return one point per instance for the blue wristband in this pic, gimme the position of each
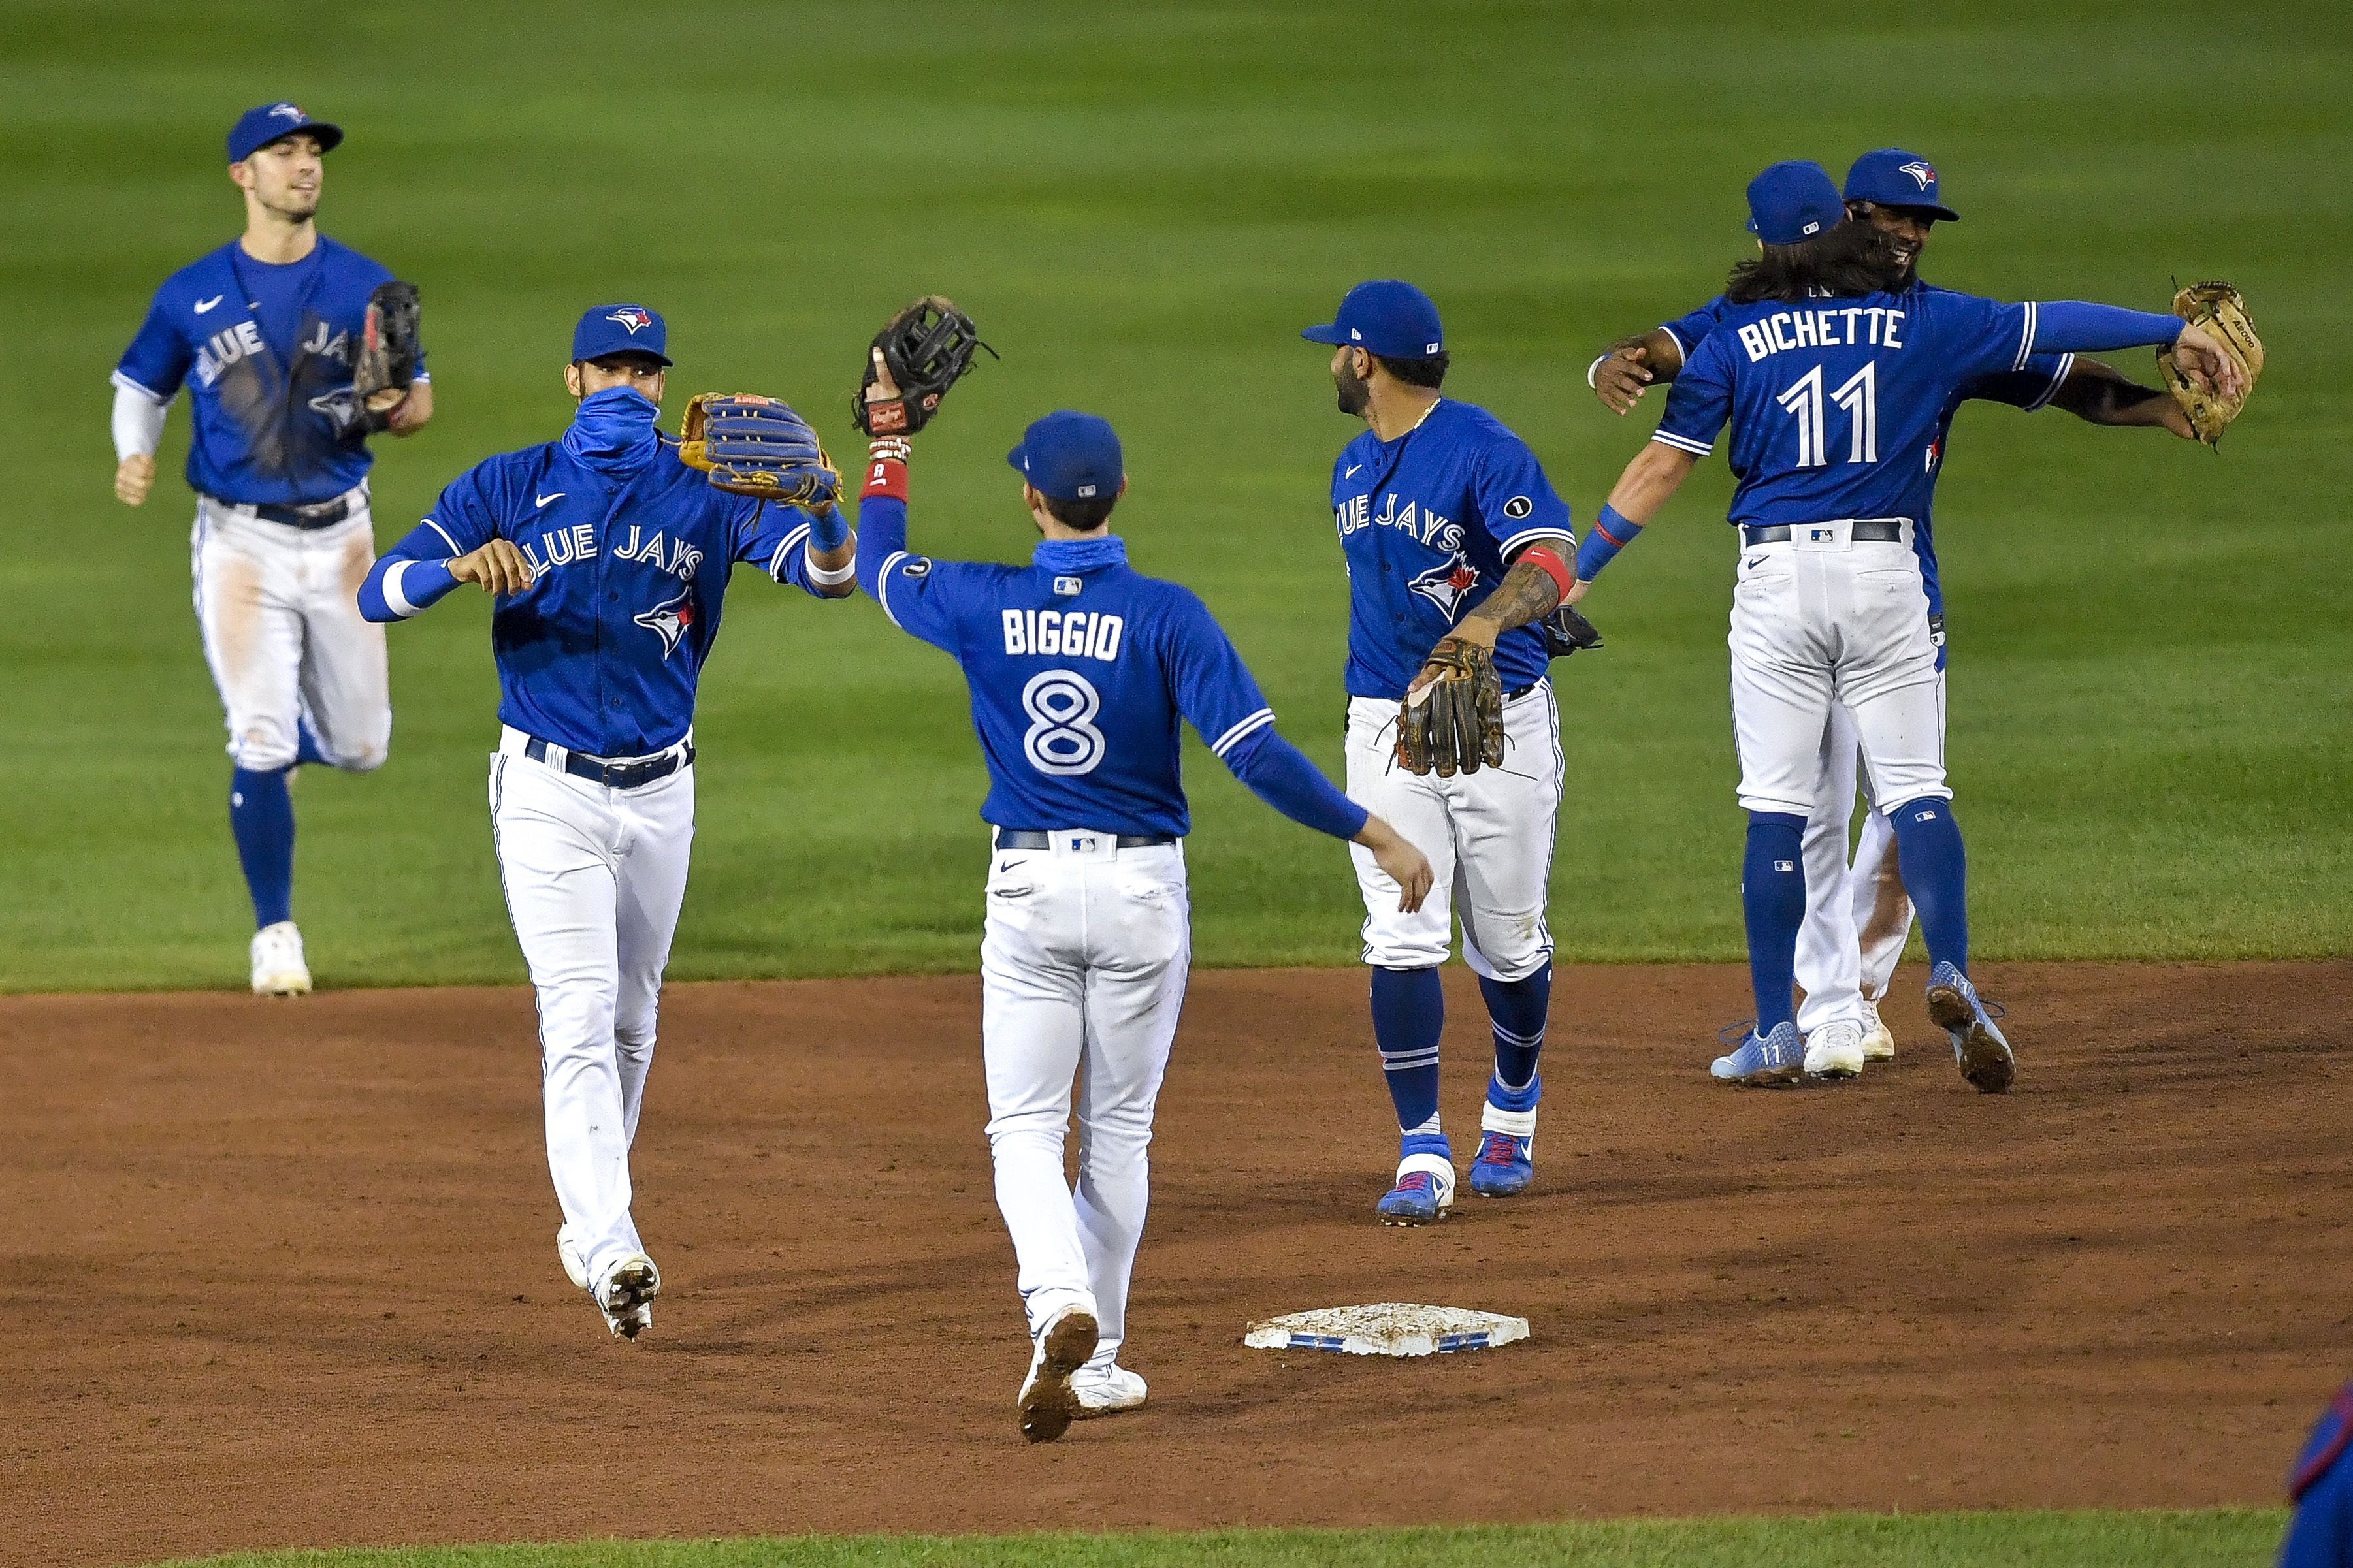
(1611, 532)
(829, 530)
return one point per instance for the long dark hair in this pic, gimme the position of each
(1852, 258)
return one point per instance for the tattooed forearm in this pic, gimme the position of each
(1527, 594)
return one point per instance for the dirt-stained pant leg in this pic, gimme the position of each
(346, 678)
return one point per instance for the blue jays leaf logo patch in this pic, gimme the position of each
(1445, 583)
(669, 619)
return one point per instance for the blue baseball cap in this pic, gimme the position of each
(1070, 457)
(258, 128)
(1894, 178)
(1385, 317)
(620, 330)
(1792, 201)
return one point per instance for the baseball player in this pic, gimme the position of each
(263, 333)
(2320, 1533)
(1079, 669)
(1836, 377)
(609, 557)
(1452, 536)
(1858, 917)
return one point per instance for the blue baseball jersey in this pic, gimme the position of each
(1081, 668)
(2029, 389)
(1428, 523)
(2321, 1535)
(1837, 405)
(265, 352)
(601, 654)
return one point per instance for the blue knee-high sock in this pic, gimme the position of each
(1937, 874)
(261, 815)
(1409, 1015)
(1517, 1009)
(1773, 898)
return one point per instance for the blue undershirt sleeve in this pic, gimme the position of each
(1279, 774)
(409, 578)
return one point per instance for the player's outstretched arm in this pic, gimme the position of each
(418, 573)
(1529, 592)
(2102, 394)
(1628, 367)
(1657, 472)
(1279, 774)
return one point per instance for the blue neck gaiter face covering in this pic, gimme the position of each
(614, 431)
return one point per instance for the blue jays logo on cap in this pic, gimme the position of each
(620, 330)
(1924, 173)
(292, 112)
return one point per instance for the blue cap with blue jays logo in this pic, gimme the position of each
(1793, 201)
(258, 128)
(620, 330)
(1891, 177)
(1385, 317)
(1070, 457)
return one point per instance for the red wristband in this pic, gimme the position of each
(1551, 565)
(886, 471)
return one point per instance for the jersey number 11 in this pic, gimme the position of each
(1859, 396)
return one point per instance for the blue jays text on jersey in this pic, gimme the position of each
(265, 350)
(602, 653)
(2027, 388)
(1428, 522)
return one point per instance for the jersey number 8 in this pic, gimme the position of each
(1859, 396)
(1063, 740)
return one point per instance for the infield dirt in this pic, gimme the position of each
(282, 1274)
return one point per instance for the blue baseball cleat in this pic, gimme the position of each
(1505, 1165)
(1761, 1061)
(1423, 1194)
(1978, 1046)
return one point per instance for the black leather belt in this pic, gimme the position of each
(1519, 691)
(1881, 530)
(616, 776)
(1028, 838)
(319, 515)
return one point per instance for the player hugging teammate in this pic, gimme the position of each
(293, 350)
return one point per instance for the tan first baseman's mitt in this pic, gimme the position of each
(1454, 724)
(2220, 311)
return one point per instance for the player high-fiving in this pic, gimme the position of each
(1081, 668)
(266, 335)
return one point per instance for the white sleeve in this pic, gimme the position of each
(138, 422)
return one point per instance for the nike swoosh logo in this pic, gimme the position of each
(552, 495)
(1004, 865)
(203, 305)
(1351, 472)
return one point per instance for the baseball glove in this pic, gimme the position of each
(2221, 311)
(927, 347)
(1455, 723)
(755, 446)
(390, 353)
(1565, 632)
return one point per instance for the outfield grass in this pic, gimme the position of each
(2217, 1538)
(1143, 204)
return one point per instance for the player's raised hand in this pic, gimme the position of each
(1621, 378)
(1399, 861)
(132, 477)
(882, 389)
(498, 567)
(2206, 363)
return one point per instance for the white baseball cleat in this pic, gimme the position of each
(627, 1296)
(1049, 1404)
(1106, 1390)
(1834, 1050)
(278, 966)
(568, 1253)
(1878, 1040)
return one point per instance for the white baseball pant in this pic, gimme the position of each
(278, 607)
(594, 878)
(1821, 619)
(1489, 836)
(1082, 966)
(1858, 916)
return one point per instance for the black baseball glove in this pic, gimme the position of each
(391, 353)
(1567, 632)
(927, 347)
